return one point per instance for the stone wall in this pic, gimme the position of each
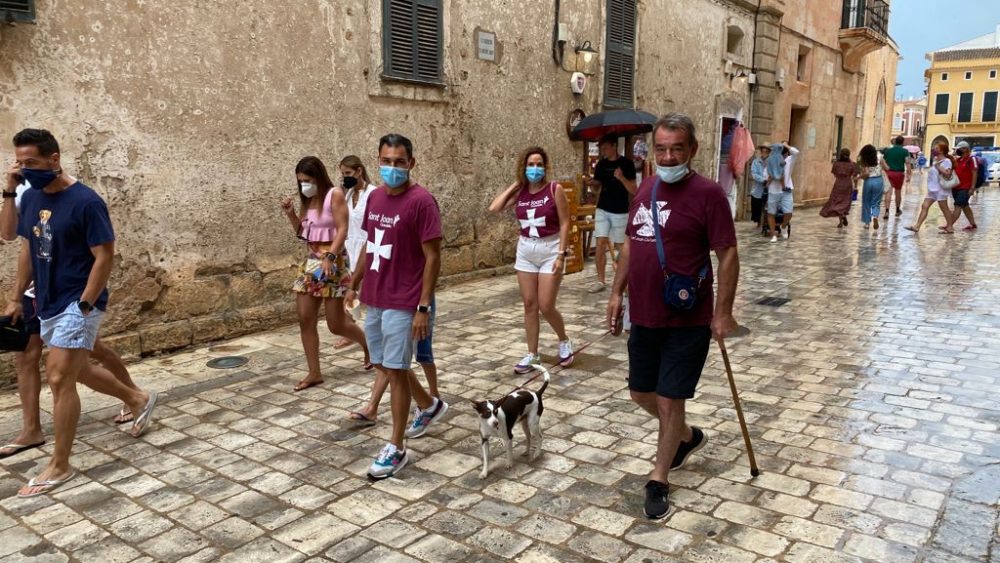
(188, 118)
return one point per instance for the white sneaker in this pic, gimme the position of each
(528, 363)
(565, 353)
(784, 233)
(774, 238)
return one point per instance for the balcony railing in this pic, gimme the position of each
(869, 14)
(974, 118)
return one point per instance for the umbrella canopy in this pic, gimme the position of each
(912, 148)
(618, 122)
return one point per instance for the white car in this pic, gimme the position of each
(994, 173)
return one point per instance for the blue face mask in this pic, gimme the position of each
(39, 178)
(534, 173)
(672, 174)
(394, 177)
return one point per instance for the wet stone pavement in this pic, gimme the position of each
(871, 397)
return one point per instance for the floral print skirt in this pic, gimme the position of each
(313, 281)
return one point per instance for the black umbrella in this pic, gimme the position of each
(618, 122)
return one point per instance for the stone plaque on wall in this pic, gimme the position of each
(486, 45)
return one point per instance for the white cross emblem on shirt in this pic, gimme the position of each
(379, 250)
(532, 223)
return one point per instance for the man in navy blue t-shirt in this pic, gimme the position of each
(68, 252)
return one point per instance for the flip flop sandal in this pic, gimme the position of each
(47, 485)
(303, 385)
(124, 415)
(369, 366)
(145, 418)
(361, 419)
(18, 448)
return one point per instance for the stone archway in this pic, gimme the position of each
(938, 139)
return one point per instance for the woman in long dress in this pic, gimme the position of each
(839, 205)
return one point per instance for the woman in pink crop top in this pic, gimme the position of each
(543, 213)
(325, 274)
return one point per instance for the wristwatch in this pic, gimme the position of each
(7, 194)
(423, 308)
(85, 307)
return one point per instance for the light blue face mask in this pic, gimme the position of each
(394, 177)
(534, 173)
(672, 174)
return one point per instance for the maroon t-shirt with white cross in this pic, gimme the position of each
(695, 218)
(397, 226)
(537, 213)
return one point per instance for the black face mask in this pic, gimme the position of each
(350, 182)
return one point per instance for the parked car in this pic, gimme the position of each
(993, 166)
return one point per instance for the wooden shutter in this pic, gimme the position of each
(413, 39)
(941, 104)
(990, 107)
(17, 10)
(965, 107)
(619, 61)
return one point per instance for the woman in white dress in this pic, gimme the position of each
(358, 187)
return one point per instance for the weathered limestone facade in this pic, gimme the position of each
(188, 117)
(811, 95)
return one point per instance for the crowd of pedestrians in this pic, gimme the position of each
(372, 257)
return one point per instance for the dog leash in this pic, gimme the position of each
(555, 365)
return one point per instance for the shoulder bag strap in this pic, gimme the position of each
(656, 229)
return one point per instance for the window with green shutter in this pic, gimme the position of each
(619, 61)
(17, 11)
(412, 40)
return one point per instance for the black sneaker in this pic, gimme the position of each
(657, 506)
(684, 451)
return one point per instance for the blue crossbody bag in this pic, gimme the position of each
(679, 292)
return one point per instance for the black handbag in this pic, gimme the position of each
(679, 291)
(13, 336)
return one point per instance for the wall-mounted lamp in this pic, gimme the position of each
(585, 57)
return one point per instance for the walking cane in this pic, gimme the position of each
(754, 471)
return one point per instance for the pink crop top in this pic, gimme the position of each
(318, 224)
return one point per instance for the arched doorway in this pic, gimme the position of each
(938, 139)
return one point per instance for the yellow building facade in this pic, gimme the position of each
(963, 88)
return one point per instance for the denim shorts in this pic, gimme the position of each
(71, 329)
(425, 348)
(390, 337)
(610, 225)
(537, 255)
(785, 200)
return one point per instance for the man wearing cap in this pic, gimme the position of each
(966, 167)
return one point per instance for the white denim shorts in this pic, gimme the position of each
(537, 255)
(71, 329)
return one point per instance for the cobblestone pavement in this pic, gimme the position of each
(871, 395)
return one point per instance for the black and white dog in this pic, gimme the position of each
(498, 419)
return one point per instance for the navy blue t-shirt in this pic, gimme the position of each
(61, 228)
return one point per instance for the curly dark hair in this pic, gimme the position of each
(868, 155)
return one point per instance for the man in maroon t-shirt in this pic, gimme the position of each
(668, 347)
(397, 274)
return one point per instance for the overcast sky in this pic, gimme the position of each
(922, 26)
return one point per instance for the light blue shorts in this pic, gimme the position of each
(71, 329)
(610, 225)
(390, 337)
(784, 200)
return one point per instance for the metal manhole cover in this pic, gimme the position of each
(773, 301)
(227, 362)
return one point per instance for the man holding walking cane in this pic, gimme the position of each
(676, 219)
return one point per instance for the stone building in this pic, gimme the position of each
(962, 90)
(188, 117)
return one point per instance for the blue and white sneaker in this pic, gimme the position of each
(389, 461)
(423, 419)
(528, 364)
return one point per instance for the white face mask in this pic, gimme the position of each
(308, 189)
(672, 174)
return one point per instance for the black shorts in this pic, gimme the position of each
(31, 323)
(668, 361)
(961, 197)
